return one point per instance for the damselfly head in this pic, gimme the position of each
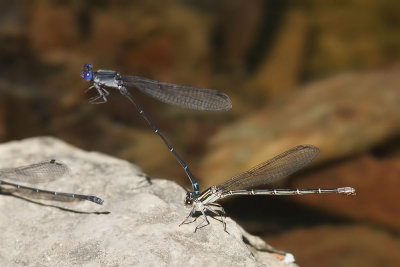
(87, 73)
(189, 199)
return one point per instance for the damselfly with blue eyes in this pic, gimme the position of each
(41, 172)
(272, 170)
(180, 95)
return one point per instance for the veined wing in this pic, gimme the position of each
(35, 173)
(274, 169)
(181, 95)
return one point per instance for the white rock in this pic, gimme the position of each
(136, 225)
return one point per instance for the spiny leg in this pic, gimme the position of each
(95, 99)
(106, 93)
(90, 88)
(205, 220)
(102, 93)
(222, 211)
(190, 215)
(218, 213)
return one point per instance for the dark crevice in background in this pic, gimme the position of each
(387, 149)
(274, 12)
(309, 49)
(84, 22)
(261, 215)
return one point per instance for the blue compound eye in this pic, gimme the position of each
(87, 75)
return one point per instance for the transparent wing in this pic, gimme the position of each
(181, 95)
(272, 170)
(35, 173)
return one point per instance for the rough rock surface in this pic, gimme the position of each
(136, 225)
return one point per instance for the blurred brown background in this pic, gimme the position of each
(319, 73)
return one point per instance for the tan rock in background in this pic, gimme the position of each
(343, 116)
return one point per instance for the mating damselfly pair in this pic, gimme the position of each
(272, 170)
